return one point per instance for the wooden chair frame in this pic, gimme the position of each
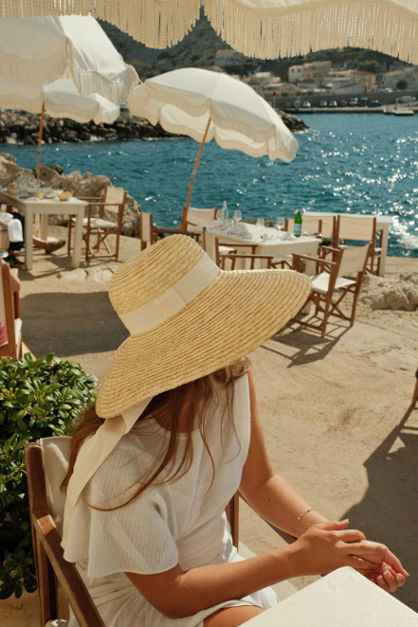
(11, 303)
(53, 572)
(327, 303)
(101, 232)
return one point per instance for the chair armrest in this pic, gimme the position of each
(161, 231)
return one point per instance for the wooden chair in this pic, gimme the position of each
(335, 277)
(197, 217)
(108, 221)
(57, 579)
(353, 228)
(10, 314)
(150, 232)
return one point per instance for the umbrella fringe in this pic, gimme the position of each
(270, 33)
(10, 66)
(174, 18)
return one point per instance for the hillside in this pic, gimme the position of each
(199, 48)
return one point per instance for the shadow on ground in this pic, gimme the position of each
(302, 346)
(388, 511)
(71, 323)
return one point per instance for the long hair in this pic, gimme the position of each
(186, 405)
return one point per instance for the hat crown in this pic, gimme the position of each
(153, 272)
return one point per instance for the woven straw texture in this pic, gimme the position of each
(235, 313)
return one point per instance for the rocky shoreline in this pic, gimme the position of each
(20, 127)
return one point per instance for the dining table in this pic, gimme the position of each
(267, 240)
(32, 206)
(343, 598)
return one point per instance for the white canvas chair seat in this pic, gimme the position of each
(320, 282)
(99, 223)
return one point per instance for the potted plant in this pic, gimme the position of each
(38, 398)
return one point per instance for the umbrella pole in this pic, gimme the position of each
(41, 127)
(199, 154)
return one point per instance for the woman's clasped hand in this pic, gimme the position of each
(327, 546)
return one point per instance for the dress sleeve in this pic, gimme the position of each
(133, 538)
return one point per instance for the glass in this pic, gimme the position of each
(259, 222)
(280, 222)
(237, 217)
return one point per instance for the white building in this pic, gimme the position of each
(313, 73)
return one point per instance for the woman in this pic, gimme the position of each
(173, 435)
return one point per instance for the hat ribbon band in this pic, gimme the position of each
(174, 299)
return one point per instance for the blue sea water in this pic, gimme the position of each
(354, 163)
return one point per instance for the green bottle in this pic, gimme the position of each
(297, 229)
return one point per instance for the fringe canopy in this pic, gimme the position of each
(265, 29)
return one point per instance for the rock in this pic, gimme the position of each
(399, 293)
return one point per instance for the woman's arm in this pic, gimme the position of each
(280, 504)
(325, 547)
(271, 496)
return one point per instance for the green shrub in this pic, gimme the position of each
(38, 398)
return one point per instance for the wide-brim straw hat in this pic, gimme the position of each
(187, 318)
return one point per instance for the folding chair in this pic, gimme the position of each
(335, 278)
(10, 314)
(57, 579)
(108, 221)
(361, 229)
(145, 229)
(197, 217)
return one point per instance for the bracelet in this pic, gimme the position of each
(300, 516)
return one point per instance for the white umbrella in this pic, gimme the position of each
(260, 28)
(60, 100)
(211, 105)
(64, 66)
(37, 51)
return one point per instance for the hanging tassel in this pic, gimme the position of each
(286, 31)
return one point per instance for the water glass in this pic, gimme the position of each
(259, 223)
(237, 217)
(280, 222)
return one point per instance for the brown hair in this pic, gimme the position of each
(185, 405)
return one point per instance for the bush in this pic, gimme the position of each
(38, 398)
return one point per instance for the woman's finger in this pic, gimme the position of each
(351, 535)
(395, 563)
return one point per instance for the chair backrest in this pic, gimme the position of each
(145, 229)
(10, 314)
(311, 223)
(356, 228)
(354, 259)
(196, 217)
(114, 199)
(210, 244)
(46, 464)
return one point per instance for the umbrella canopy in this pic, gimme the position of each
(211, 105)
(60, 99)
(37, 51)
(184, 100)
(259, 28)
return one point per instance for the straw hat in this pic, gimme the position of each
(187, 318)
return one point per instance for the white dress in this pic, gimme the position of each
(181, 522)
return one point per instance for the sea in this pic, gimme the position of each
(347, 162)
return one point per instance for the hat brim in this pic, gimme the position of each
(231, 317)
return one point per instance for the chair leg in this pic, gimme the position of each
(70, 226)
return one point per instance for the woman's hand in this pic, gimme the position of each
(327, 546)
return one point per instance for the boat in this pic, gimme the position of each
(398, 109)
